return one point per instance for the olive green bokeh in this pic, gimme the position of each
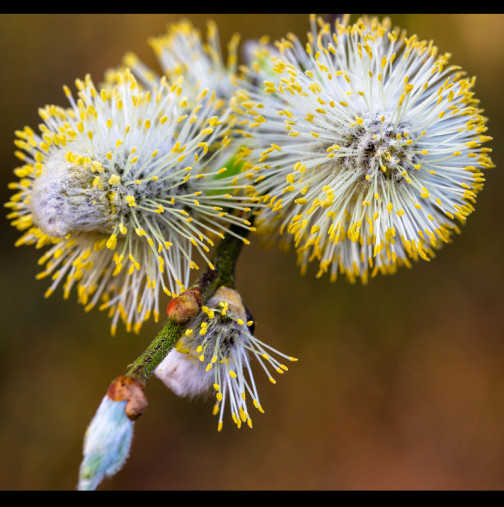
(399, 384)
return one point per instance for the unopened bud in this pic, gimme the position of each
(184, 307)
(106, 443)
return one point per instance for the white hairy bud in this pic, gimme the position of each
(64, 200)
(107, 443)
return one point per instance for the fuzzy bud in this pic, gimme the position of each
(106, 443)
(64, 200)
(213, 356)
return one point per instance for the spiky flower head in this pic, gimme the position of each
(368, 146)
(183, 53)
(121, 187)
(214, 355)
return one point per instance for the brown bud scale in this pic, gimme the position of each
(185, 307)
(130, 389)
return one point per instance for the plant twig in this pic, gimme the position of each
(224, 261)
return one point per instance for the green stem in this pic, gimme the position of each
(224, 261)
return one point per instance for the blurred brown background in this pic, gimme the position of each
(400, 384)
